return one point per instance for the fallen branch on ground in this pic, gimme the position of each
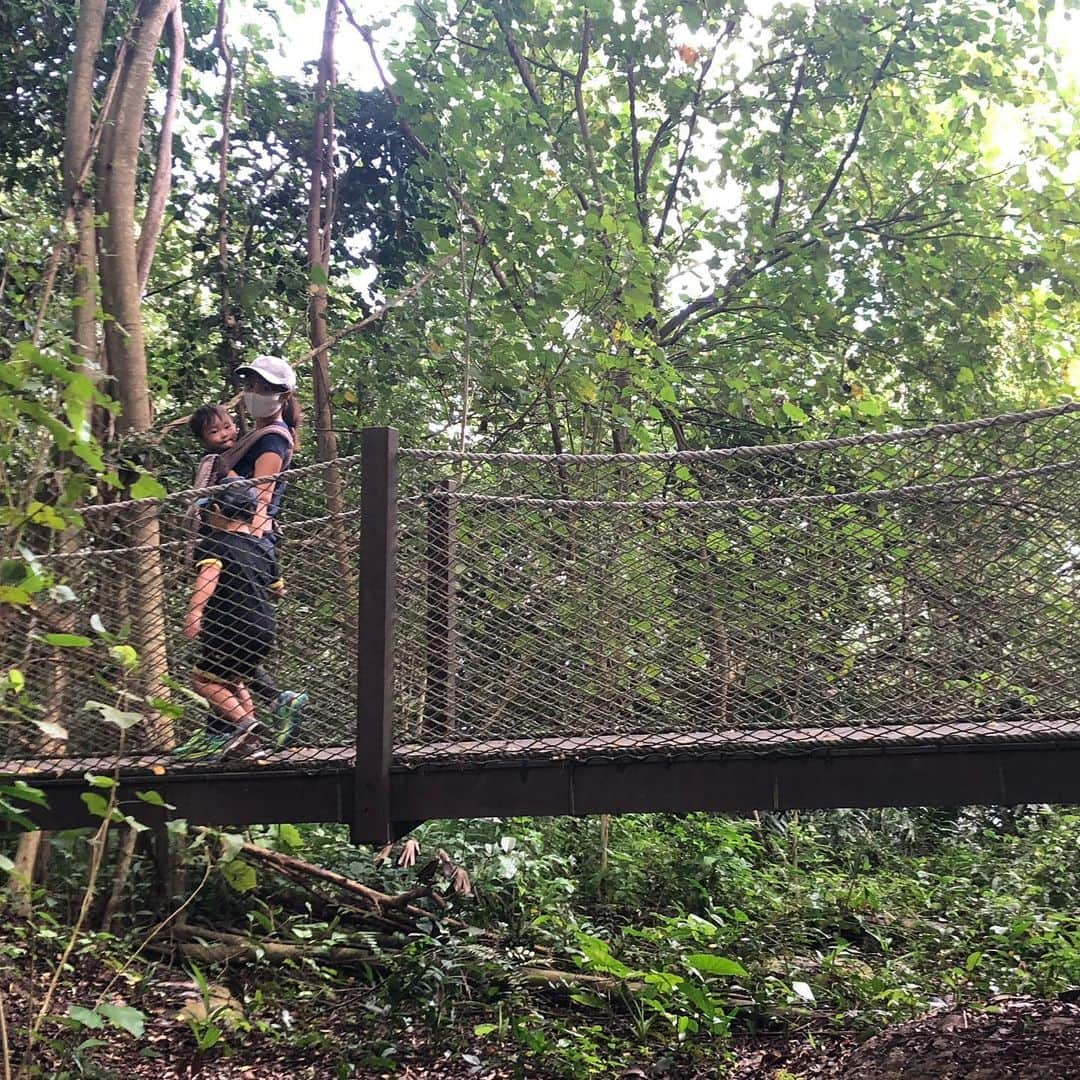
(387, 910)
(206, 946)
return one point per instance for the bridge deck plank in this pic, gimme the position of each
(792, 741)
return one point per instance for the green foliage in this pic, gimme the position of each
(46, 408)
(14, 798)
(805, 231)
(121, 1017)
(209, 1022)
(858, 918)
(731, 225)
(859, 915)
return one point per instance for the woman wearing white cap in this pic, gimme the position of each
(270, 400)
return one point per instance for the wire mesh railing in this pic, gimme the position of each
(915, 586)
(891, 588)
(114, 665)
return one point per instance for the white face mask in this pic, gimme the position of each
(260, 406)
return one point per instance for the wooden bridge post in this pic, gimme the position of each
(439, 699)
(371, 823)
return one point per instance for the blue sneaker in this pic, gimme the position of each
(285, 716)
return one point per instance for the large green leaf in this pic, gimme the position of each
(711, 964)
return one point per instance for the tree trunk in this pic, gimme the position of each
(230, 345)
(161, 185)
(319, 232)
(56, 709)
(78, 127)
(34, 847)
(21, 880)
(120, 877)
(117, 167)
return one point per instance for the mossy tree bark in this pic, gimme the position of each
(117, 169)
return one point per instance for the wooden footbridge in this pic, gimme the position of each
(881, 619)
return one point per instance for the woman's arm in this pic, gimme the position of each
(267, 464)
(205, 584)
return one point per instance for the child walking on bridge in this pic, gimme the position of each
(232, 618)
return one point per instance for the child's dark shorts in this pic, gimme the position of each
(231, 657)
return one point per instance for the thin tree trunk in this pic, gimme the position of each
(78, 126)
(319, 233)
(229, 350)
(21, 878)
(120, 877)
(604, 890)
(49, 277)
(161, 185)
(620, 380)
(33, 847)
(55, 710)
(85, 290)
(117, 167)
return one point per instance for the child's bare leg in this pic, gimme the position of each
(226, 701)
(243, 694)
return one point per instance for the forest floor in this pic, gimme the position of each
(888, 946)
(1005, 1038)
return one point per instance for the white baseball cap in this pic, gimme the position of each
(273, 369)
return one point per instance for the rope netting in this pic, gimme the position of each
(109, 670)
(890, 588)
(919, 586)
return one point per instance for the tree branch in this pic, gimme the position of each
(753, 266)
(515, 55)
(673, 187)
(400, 299)
(579, 106)
(228, 320)
(161, 185)
(466, 210)
(853, 142)
(785, 128)
(635, 149)
(522, 66)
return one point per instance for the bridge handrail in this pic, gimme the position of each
(872, 438)
(763, 450)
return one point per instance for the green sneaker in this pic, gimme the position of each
(285, 717)
(204, 745)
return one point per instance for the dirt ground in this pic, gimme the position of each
(1007, 1038)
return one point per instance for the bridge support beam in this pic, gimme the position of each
(371, 820)
(948, 775)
